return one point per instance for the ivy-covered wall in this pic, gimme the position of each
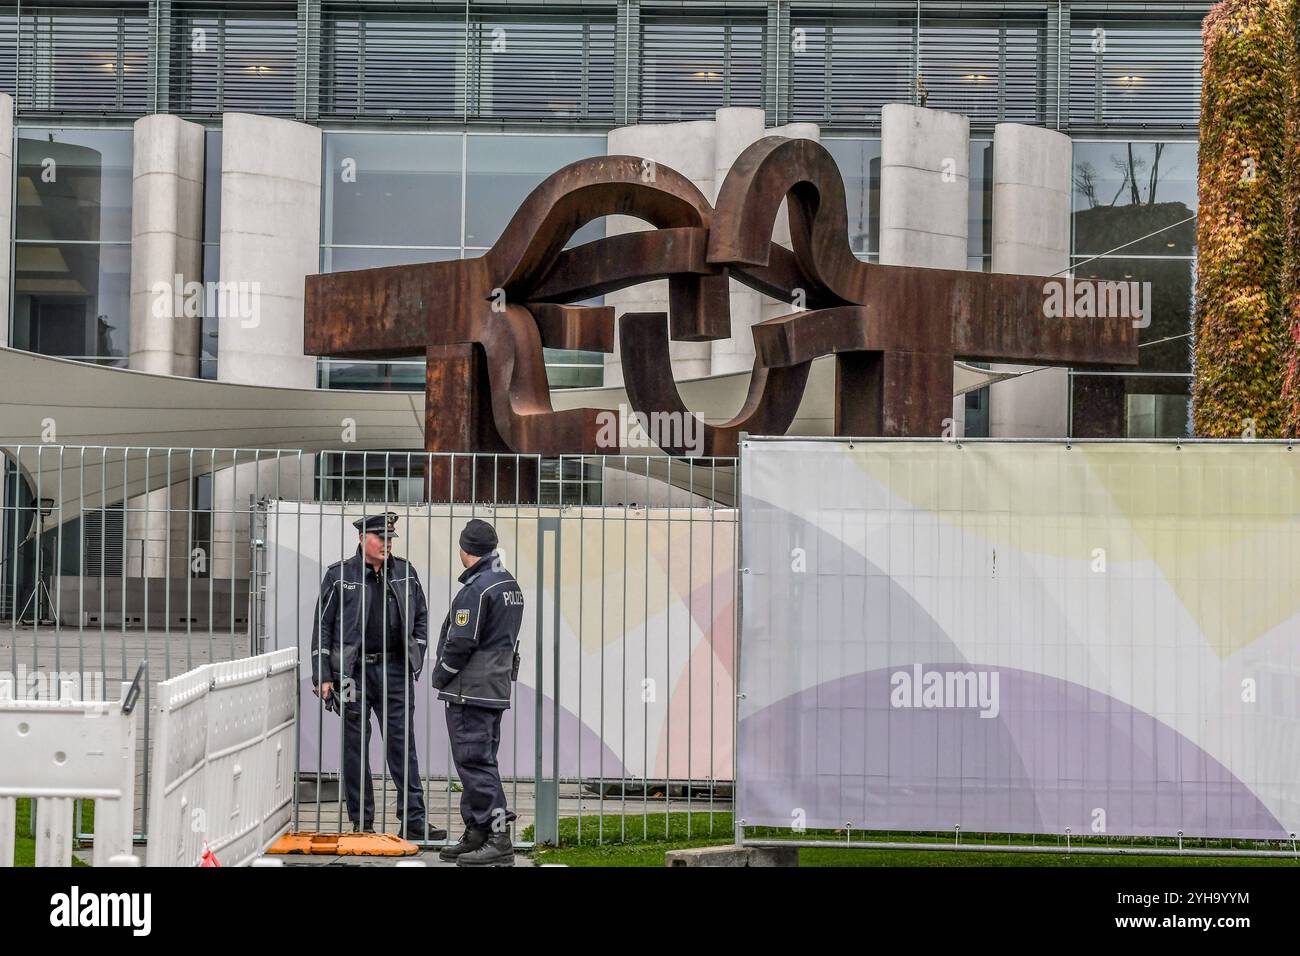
(1290, 12)
(1245, 334)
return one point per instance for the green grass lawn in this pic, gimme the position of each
(25, 844)
(635, 840)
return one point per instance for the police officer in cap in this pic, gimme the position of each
(368, 648)
(477, 663)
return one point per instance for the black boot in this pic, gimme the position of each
(421, 831)
(469, 842)
(497, 851)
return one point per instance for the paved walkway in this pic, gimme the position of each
(442, 807)
(425, 858)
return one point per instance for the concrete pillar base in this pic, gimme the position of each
(733, 856)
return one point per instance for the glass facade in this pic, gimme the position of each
(691, 67)
(1072, 64)
(439, 120)
(979, 217)
(1134, 209)
(83, 60)
(232, 59)
(399, 198)
(208, 351)
(397, 478)
(859, 163)
(458, 63)
(72, 236)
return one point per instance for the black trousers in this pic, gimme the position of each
(396, 714)
(475, 735)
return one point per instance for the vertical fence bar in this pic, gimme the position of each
(557, 591)
(581, 664)
(668, 642)
(690, 655)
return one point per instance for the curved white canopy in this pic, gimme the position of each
(92, 427)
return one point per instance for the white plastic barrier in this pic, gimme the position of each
(57, 751)
(223, 760)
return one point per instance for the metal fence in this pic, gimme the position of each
(1084, 596)
(624, 711)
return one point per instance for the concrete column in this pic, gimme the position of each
(157, 526)
(6, 207)
(924, 187)
(232, 490)
(736, 129)
(924, 194)
(1031, 236)
(270, 242)
(166, 245)
(689, 149)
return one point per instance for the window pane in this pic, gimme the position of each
(74, 184)
(83, 61)
(8, 51)
(1144, 74)
(691, 68)
(1167, 289)
(393, 65)
(845, 70)
(394, 477)
(986, 70)
(212, 186)
(405, 375)
(859, 163)
(1119, 406)
(221, 62)
(503, 170)
(566, 368)
(1124, 191)
(211, 324)
(537, 67)
(345, 259)
(392, 189)
(73, 300)
(979, 224)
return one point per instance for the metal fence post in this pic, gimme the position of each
(547, 790)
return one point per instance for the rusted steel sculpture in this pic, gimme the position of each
(894, 331)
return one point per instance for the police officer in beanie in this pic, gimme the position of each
(477, 662)
(368, 648)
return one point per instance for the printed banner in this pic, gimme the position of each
(1101, 638)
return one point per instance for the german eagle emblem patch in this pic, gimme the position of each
(462, 618)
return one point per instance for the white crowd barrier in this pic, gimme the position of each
(59, 751)
(223, 760)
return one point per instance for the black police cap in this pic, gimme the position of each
(381, 525)
(478, 538)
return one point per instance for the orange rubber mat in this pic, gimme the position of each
(344, 844)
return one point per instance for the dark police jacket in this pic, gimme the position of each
(476, 648)
(336, 630)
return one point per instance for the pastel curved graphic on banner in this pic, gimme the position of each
(1120, 569)
(1233, 519)
(582, 753)
(696, 739)
(941, 745)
